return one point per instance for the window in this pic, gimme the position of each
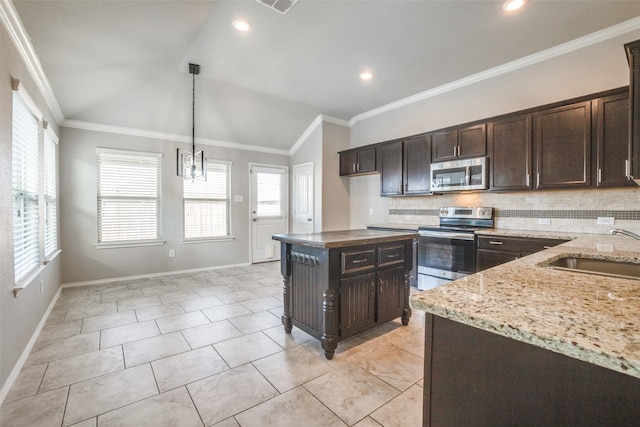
(270, 194)
(50, 195)
(25, 180)
(207, 203)
(128, 197)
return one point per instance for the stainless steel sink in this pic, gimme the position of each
(613, 268)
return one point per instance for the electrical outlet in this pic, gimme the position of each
(606, 220)
(544, 221)
(172, 253)
(408, 217)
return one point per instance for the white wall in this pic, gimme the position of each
(587, 70)
(78, 183)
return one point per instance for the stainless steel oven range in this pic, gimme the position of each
(447, 252)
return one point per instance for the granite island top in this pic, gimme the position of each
(338, 239)
(588, 317)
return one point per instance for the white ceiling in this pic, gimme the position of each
(124, 63)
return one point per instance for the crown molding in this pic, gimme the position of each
(20, 38)
(561, 49)
(320, 118)
(119, 130)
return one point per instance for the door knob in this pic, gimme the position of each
(309, 219)
(255, 219)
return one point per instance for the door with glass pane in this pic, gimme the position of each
(268, 211)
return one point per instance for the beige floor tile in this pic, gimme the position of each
(82, 367)
(170, 409)
(393, 365)
(262, 304)
(292, 409)
(99, 395)
(213, 290)
(247, 348)
(91, 422)
(178, 297)
(201, 303)
(41, 410)
(82, 310)
(413, 343)
(229, 422)
(225, 312)
(237, 296)
(79, 300)
(96, 323)
(150, 349)
(231, 272)
(403, 411)
(295, 338)
(210, 334)
(291, 368)
(351, 392)
(135, 303)
(181, 321)
(27, 383)
(59, 349)
(367, 422)
(255, 322)
(57, 315)
(123, 294)
(269, 291)
(159, 289)
(143, 283)
(54, 331)
(158, 311)
(128, 333)
(185, 368)
(229, 393)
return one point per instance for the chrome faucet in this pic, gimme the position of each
(625, 232)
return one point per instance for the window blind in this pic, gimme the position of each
(50, 196)
(206, 203)
(26, 229)
(128, 196)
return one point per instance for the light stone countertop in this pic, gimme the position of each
(588, 317)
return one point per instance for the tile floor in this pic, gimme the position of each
(208, 349)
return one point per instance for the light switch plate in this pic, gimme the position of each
(238, 199)
(544, 221)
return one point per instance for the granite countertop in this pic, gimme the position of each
(541, 234)
(588, 317)
(405, 227)
(338, 239)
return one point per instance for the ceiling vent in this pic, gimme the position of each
(282, 6)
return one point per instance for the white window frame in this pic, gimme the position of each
(50, 194)
(157, 198)
(186, 199)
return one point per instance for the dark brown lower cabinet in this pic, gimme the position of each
(476, 378)
(496, 250)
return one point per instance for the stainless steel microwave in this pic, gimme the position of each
(458, 175)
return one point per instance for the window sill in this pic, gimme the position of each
(208, 240)
(118, 245)
(28, 280)
(54, 255)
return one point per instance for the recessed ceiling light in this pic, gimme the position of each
(366, 75)
(242, 25)
(511, 5)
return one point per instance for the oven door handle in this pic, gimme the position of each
(447, 235)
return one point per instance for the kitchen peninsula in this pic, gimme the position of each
(339, 283)
(523, 344)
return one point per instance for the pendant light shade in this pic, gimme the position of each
(192, 165)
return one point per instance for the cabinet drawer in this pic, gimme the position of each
(391, 255)
(357, 261)
(516, 244)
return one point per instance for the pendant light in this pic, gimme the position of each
(192, 165)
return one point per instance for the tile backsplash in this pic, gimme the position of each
(574, 210)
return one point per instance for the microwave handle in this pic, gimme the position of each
(467, 175)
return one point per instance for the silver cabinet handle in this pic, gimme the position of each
(495, 242)
(627, 169)
(599, 175)
(528, 175)
(354, 167)
(359, 261)
(358, 167)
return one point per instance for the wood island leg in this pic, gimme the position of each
(406, 313)
(329, 338)
(285, 270)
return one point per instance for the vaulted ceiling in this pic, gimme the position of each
(125, 63)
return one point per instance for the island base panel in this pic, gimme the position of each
(475, 377)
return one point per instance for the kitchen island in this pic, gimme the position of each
(340, 283)
(523, 344)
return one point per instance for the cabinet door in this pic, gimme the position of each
(510, 149)
(472, 142)
(612, 141)
(390, 294)
(444, 145)
(347, 162)
(486, 259)
(417, 161)
(390, 167)
(366, 160)
(633, 55)
(357, 304)
(563, 145)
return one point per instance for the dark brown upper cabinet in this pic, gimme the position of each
(563, 146)
(510, 151)
(633, 56)
(358, 161)
(404, 166)
(612, 141)
(462, 143)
